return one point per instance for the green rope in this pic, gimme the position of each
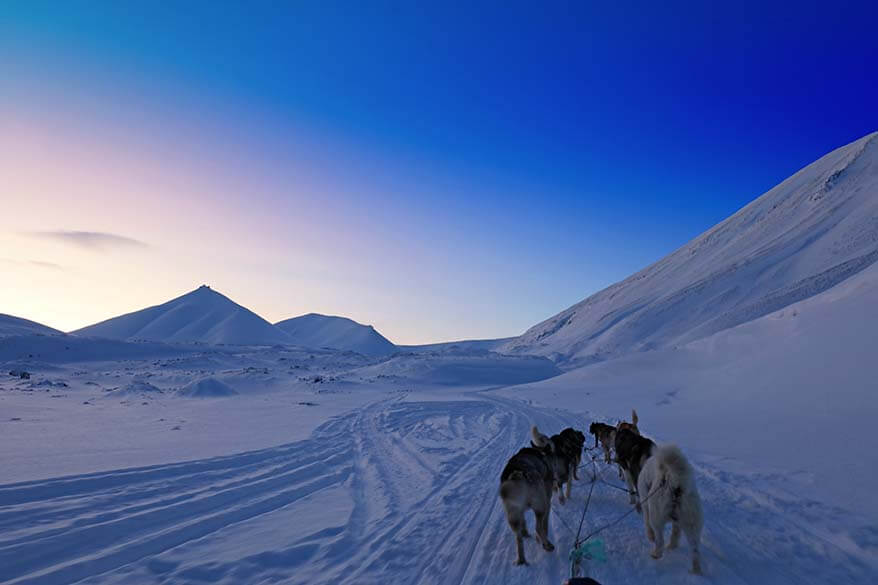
(592, 550)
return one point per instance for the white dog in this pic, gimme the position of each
(667, 492)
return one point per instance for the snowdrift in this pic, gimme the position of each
(207, 388)
(461, 368)
(70, 348)
(137, 388)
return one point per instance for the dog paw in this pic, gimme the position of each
(656, 553)
(520, 562)
(548, 546)
(696, 568)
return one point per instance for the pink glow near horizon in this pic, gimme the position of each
(282, 239)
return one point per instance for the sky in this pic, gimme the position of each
(440, 170)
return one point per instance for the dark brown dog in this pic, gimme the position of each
(632, 451)
(604, 435)
(631, 426)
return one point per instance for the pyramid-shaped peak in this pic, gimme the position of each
(202, 315)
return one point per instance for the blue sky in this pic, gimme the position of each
(440, 170)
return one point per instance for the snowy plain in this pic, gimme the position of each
(156, 448)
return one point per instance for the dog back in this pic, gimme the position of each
(632, 450)
(529, 463)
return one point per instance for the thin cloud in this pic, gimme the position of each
(37, 263)
(92, 240)
(44, 264)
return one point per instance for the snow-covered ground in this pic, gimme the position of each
(322, 468)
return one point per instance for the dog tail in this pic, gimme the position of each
(507, 487)
(539, 439)
(673, 466)
(633, 416)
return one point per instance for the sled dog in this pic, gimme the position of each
(526, 483)
(605, 436)
(668, 494)
(631, 426)
(566, 448)
(632, 451)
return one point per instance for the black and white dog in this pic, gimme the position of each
(667, 491)
(632, 452)
(566, 447)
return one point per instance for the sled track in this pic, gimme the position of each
(400, 491)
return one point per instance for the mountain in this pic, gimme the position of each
(804, 236)
(10, 325)
(314, 330)
(202, 315)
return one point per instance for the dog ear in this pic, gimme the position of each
(633, 416)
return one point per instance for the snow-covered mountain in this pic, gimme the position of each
(804, 236)
(202, 315)
(10, 325)
(314, 330)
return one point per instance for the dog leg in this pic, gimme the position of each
(519, 547)
(518, 524)
(693, 537)
(675, 536)
(650, 533)
(658, 530)
(547, 544)
(632, 490)
(569, 484)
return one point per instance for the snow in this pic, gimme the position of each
(207, 388)
(460, 367)
(202, 315)
(750, 348)
(314, 330)
(812, 231)
(10, 325)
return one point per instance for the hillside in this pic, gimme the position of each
(314, 330)
(10, 325)
(202, 315)
(804, 236)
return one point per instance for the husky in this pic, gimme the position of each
(566, 449)
(526, 483)
(605, 436)
(668, 494)
(631, 426)
(632, 452)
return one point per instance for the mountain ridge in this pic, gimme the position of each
(202, 315)
(317, 330)
(808, 233)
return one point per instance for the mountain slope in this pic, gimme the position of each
(10, 325)
(202, 315)
(802, 237)
(314, 330)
